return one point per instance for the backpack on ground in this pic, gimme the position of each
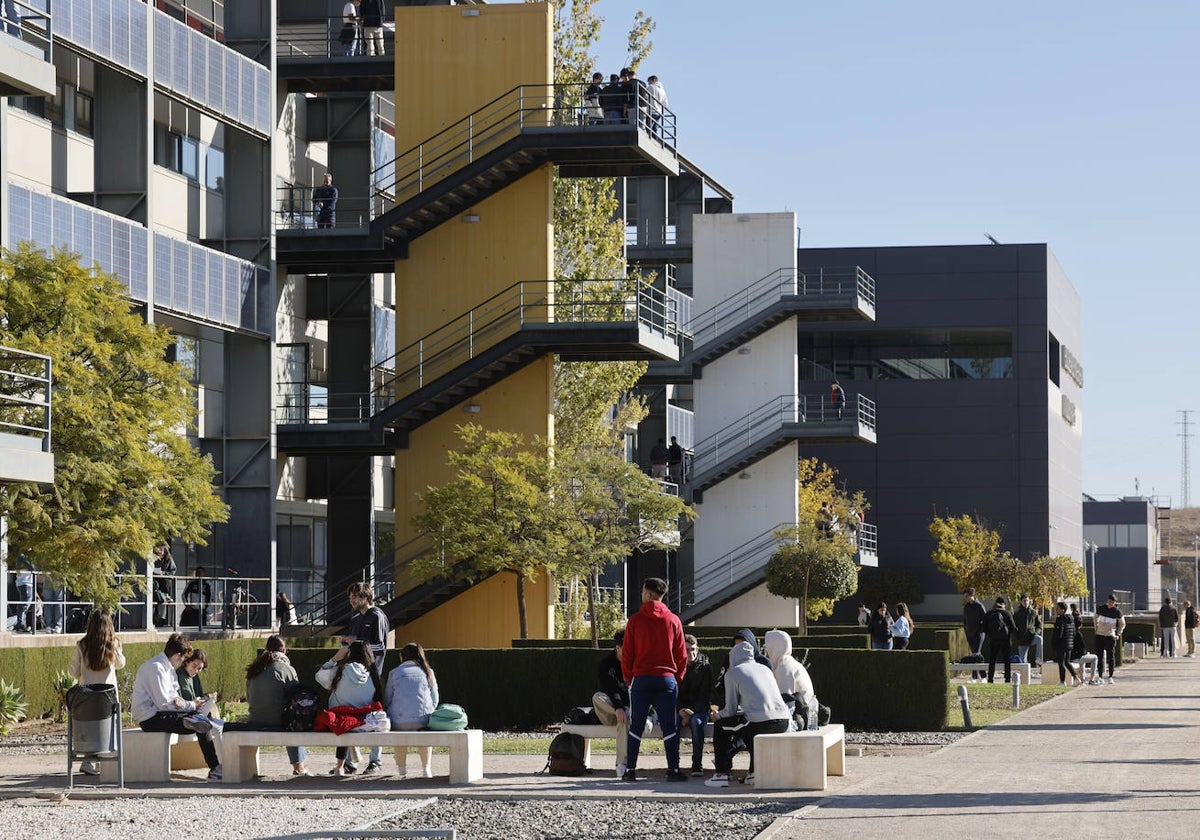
(566, 756)
(582, 716)
(972, 659)
(448, 718)
(300, 706)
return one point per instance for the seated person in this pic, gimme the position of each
(694, 692)
(611, 702)
(751, 689)
(411, 696)
(267, 680)
(157, 706)
(352, 681)
(191, 689)
(795, 685)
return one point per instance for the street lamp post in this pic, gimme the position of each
(1091, 548)
(1196, 571)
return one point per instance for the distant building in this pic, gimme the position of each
(1127, 538)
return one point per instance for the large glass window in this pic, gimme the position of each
(214, 169)
(301, 566)
(933, 354)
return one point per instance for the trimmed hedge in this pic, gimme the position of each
(856, 642)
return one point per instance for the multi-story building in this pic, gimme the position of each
(1123, 545)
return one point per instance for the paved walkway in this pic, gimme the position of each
(1100, 761)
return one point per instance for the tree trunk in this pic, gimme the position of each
(593, 583)
(521, 605)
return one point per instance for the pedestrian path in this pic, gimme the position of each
(1099, 761)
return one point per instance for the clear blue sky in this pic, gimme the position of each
(929, 123)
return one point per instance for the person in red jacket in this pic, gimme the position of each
(653, 661)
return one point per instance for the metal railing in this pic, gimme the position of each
(328, 37)
(658, 231)
(32, 26)
(771, 416)
(831, 283)
(168, 603)
(296, 209)
(26, 395)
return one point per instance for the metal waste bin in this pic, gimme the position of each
(94, 727)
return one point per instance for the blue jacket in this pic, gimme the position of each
(409, 696)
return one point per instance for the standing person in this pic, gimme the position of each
(973, 614)
(1189, 628)
(695, 690)
(267, 681)
(352, 681)
(325, 199)
(1063, 640)
(658, 101)
(611, 100)
(591, 101)
(611, 702)
(999, 625)
(795, 685)
(285, 610)
(198, 595)
(369, 626)
(750, 689)
(411, 696)
(675, 461)
(1110, 624)
(157, 706)
(658, 460)
(880, 628)
(26, 618)
(1168, 620)
(349, 35)
(837, 397)
(902, 629)
(95, 661)
(1080, 650)
(653, 662)
(164, 583)
(1029, 631)
(14, 18)
(371, 12)
(864, 615)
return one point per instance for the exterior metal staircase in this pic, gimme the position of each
(476, 157)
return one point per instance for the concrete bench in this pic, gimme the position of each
(981, 668)
(1081, 666)
(588, 731)
(1137, 650)
(799, 760)
(151, 756)
(239, 759)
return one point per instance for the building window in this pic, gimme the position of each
(214, 169)
(189, 164)
(1054, 359)
(83, 113)
(55, 107)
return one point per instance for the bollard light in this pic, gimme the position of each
(1016, 691)
(966, 706)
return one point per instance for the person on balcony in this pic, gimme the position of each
(349, 36)
(658, 101)
(372, 21)
(675, 461)
(325, 199)
(659, 458)
(591, 101)
(14, 18)
(612, 100)
(837, 398)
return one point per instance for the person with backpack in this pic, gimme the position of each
(1029, 631)
(1000, 627)
(410, 697)
(973, 614)
(352, 681)
(1063, 640)
(269, 679)
(369, 626)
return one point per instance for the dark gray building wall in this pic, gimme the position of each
(996, 448)
(1120, 563)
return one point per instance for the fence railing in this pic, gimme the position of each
(26, 395)
(32, 26)
(331, 37)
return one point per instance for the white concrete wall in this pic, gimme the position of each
(744, 379)
(731, 251)
(32, 135)
(757, 608)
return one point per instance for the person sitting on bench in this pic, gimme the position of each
(750, 688)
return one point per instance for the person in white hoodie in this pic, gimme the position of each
(351, 679)
(750, 688)
(793, 680)
(411, 696)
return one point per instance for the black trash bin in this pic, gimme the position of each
(94, 727)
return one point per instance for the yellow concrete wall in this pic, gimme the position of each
(448, 65)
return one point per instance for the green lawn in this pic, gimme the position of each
(992, 702)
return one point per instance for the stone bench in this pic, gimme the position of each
(588, 731)
(151, 756)
(1081, 665)
(239, 759)
(981, 668)
(799, 760)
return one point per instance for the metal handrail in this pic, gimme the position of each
(296, 210)
(33, 26)
(832, 282)
(503, 314)
(26, 395)
(769, 417)
(309, 37)
(737, 562)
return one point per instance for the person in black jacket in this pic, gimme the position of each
(1063, 640)
(1168, 620)
(1000, 628)
(612, 100)
(695, 691)
(1189, 627)
(973, 613)
(611, 702)
(880, 628)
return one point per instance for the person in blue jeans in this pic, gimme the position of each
(14, 18)
(695, 692)
(653, 661)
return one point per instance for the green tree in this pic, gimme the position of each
(964, 550)
(125, 474)
(498, 514)
(891, 586)
(1046, 579)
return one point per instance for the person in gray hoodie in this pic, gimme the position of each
(751, 688)
(795, 685)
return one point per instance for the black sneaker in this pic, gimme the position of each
(697, 771)
(350, 768)
(630, 775)
(676, 776)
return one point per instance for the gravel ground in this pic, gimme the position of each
(610, 819)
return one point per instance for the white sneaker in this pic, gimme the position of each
(427, 772)
(1111, 681)
(1062, 682)
(620, 770)
(718, 780)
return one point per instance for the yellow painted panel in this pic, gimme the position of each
(485, 615)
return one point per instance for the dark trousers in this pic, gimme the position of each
(173, 722)
(696, 724)
(1002, 650)
(1106, 646)
(723, 740)
(1064, 665)
(661, 693)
